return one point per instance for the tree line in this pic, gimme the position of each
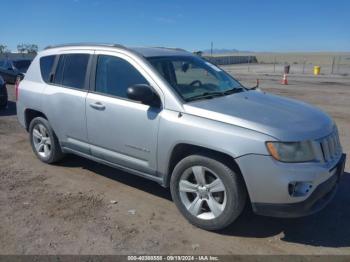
(21, 48)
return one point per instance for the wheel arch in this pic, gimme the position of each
(182, 150)
(30, 114)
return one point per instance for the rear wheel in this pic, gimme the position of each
(44, 141)
(207, 192)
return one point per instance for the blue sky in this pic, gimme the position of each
(264, 25)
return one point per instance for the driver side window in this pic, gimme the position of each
(114, 75)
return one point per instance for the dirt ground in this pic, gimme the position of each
(81, 207)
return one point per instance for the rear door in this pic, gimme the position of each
(65, 96)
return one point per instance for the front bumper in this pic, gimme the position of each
(267, 187)
(320, 197)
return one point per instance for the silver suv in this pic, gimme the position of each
(172, 117)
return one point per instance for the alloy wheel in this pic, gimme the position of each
(202, 192)
(41, 140)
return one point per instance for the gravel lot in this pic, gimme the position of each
(81, 207)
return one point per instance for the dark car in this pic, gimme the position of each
(10, 69)
(3, 93)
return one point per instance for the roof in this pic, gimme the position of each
(84, 45)
(143, 51)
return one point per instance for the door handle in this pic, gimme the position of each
(98, 106)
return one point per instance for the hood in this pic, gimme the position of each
(283, 118)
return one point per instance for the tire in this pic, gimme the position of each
(46, 148)
(204, 207)
(3, 103)
(4, 100)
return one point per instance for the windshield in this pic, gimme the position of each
(194, 78)
(22, 65)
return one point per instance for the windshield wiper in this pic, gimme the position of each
(205, 95)
(208, 95)
(233, 90)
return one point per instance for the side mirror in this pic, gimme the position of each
(144, 94)
(10, 69)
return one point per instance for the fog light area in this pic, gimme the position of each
(299, 188)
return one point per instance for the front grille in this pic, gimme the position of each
(330, 146)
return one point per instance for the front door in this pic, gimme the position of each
(121, 131)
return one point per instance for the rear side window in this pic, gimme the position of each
(114, 75)
(71, 70)
(46, 64)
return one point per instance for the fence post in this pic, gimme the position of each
(338, 63)
(333, 60)
(304, 67)
(248, 62)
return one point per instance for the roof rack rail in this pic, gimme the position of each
(171, 48)
(85, 44)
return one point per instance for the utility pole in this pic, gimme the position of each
(211, 48)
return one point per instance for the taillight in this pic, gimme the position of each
(18, 80)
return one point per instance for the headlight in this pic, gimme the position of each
(291, 151)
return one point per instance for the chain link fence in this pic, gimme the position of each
(274, 64)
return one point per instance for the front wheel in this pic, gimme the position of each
(207, 192)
